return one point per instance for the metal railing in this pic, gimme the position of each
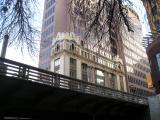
(21, 71)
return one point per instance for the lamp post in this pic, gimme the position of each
(3, 67)
(4, 46)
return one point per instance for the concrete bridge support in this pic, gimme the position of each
(154, 105)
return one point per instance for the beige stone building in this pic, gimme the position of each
(72, 57)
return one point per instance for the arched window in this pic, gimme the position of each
(72, 47)
(57, 47)
(82, 43)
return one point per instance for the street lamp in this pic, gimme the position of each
(4, 46)
(3, 54)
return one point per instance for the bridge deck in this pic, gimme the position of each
(14, 69)
(32, 92)
(34, 100)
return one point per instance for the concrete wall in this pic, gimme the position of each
(154, 105)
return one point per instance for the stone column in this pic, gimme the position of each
(52, 65)
(66, 65)
(106, 78)
(79, 70)
(125, 84)
(62, 64)
(118, 82)
(93, 75)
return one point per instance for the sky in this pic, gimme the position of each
(16, 55)
(138, 7)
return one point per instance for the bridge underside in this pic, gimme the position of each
(25, 99)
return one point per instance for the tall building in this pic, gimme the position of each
(152, 42)
(63, 51)
(55, 20)
(136, 61)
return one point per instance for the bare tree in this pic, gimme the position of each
(105, 21)
(101, 17)
(16, 20)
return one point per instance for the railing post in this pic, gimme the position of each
(52, 80)
(3, 68)
(4, 46)
(27, 73)
(82, 88)
(57, 81)
(3, 53)
(22, 72)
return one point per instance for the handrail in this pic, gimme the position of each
(26, 72)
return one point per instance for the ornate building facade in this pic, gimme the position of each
(72, 57)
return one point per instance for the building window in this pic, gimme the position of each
(82, 53)
(73, 68)
(132, 89)
(94, 58)
(57, 65)
(84, 72)
(72, 47)
(100, 77)
(82, 43)
(112, 79)
(113, 48)
(121, 83)
(57, 47)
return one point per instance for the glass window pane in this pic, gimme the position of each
(57, 65)
(57, 62)
(100, 81)
(100, 73)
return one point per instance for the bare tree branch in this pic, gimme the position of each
(16, 20)
(100, 18)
